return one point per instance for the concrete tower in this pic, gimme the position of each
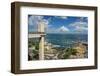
(41, 29)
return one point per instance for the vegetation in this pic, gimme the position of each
(67, 53)
(36, 55)
(35, 50)
(58, 52)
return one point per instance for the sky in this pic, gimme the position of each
(59, 24)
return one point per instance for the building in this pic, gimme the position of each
(39, 34)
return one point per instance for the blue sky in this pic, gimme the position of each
(59, 24)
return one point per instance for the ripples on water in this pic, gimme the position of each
(65, 40)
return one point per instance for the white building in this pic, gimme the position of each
(40, 34)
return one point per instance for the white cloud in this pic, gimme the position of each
(81, 29)
(82, 18)
(63, 17)
(63, 29)
(79, 26)
(34, 20)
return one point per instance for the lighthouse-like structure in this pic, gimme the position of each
(40, 34)
(41, 30)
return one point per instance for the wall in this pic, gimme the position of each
(5, 33)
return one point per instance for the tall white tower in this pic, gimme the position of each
(41, 30)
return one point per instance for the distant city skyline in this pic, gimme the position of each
(59, 24)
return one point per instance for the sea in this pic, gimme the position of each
(65, 40)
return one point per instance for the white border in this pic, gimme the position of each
(25, 64)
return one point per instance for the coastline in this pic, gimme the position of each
(60, 47)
